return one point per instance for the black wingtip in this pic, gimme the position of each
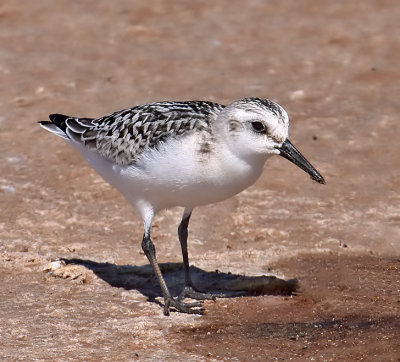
(59, 120)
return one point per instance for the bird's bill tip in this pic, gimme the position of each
(288, 151)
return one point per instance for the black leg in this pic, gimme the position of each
(183, 236)
(189, 290)
(150, 251)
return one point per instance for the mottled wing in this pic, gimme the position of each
(123, 136)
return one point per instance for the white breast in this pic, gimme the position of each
(178, 174)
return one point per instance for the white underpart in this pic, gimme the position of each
(176, 174)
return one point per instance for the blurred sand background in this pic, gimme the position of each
(333, 65)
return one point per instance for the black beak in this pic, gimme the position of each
(288, 151)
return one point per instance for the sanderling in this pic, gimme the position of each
(167, 154)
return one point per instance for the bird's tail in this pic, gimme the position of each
(69, 128)
(57, 125)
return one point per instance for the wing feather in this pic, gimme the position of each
(123, 136)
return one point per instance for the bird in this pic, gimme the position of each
(181, 153)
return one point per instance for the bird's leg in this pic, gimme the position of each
(150, 251)
(189, 290)
(183, 236)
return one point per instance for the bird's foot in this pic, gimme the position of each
(190, 308)
(191, 292)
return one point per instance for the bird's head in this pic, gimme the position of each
(258, 128)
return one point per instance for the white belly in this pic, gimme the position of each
(177, 175)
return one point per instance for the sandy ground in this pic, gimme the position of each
(335, 68)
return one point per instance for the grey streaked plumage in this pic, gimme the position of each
(124, 135)
(264, 103)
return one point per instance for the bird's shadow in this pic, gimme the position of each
(142, 279)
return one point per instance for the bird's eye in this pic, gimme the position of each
(258, 126)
